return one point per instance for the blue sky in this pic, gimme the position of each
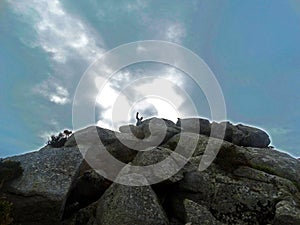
(252, 47)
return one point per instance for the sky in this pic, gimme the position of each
(251, 46)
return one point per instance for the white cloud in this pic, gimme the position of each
(161, 92)
(45, 135)
(172, 74)
(175, 32)
(278, 131)
(65, 37)
(59, 33)
(136, 5)
(53, 91)
(107, 93)
(54, 123)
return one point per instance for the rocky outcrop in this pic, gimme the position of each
(87, 136)
(96, 140)
(247, 182)
(237, 134)
(156, 131)
(39, 194)
(134, 130)
(241, 186)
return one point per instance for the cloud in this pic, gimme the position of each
(70, 43)
(175, 32)
(136, 5)
(278, 131)
(65, 37)
(53, 91)
(155, 92)
(45, 135)
(60, 34)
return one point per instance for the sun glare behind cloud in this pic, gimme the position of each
(160, 95)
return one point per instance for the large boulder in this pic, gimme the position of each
(162, 165)
(268, 160)
(273, 162)
(237, 134)
(240, 134)
(132, 129)
(190, 144)
(152, 132)
(94, 141)
(195, 125)
(130, 205)
(91, 135)
(86, 189)
(158, 131)
(39, 194)
(241, 187)
(253, 137)
(85, 216)
(233, 200)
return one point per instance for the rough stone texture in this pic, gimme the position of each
(243, 185)
(132, 129)
(248, 196)
(241, 135)
(195, 125)
(164, 171)
(129, 205)
(231, 156)
(254, 137)
(90, 136)
(190, 144)
(158, 131)
(237, 134)
(196, 214)
(287, 213)
(274, 162)
(120, 145)
(85, 190)
(39, 194)
(85, 216)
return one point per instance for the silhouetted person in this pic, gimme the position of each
(178, 122)
(139, 120)
(67, 133)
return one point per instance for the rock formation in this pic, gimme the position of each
(247, 183)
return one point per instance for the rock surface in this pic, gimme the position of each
(247, 182)
(131, 129)
(85, 189)
(237, 134)
(39, 194)
(198, 215)
(129, 205)
(156, 131)
(90, 135)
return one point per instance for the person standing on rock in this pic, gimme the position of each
(139, 120)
